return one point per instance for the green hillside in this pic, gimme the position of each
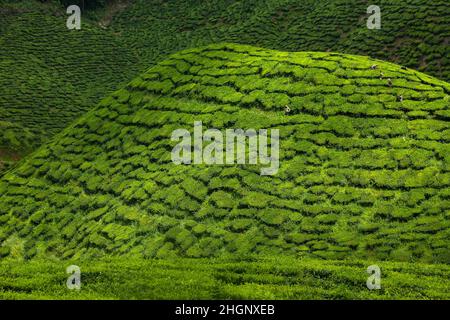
(413, 33)
(268, 278)
(50, 76)
(14, 141)
(363, 174)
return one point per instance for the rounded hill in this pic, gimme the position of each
(364, 164)
(50, 76)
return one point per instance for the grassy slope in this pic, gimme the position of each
(270, 278)
(362, 174)
(49, 75)
(14, 142)
(414, 33)
(60, 74)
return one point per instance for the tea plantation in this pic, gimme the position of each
(364, 176)
(413, 33)
(49, 76)
(268, 278)
(14, 141)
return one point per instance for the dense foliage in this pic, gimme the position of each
(363, 174)
(270, 278)
(49, 75)
(414, 33)
(84, 4)
(59, 74)
(14, 141)
(365, 161)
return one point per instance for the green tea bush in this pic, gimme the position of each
(356, 180)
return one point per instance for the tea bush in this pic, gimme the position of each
(351, 185)
(59, 90)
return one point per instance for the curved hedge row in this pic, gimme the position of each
(14, 142)
(414, 33)
(363, 174)
(50, 76)
(275, 278)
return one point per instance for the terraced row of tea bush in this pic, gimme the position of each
(49, 75)
(14, 141)
(270, 278)
(363, 174)
(413, 33)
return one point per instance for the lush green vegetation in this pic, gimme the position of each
(414, 33)
(268, 278)
(49, 75)
(84, 4)
(363, 175)
(61, 74)
(14, 141)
